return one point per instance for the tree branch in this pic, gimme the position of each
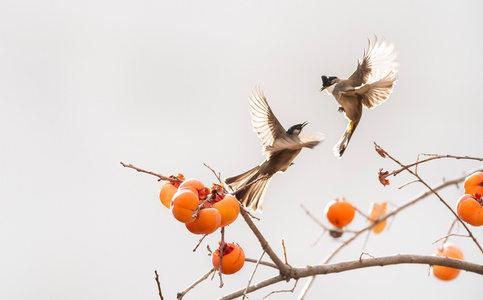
(364, 263)
(423, 195)
(284, 269)
(161, 177)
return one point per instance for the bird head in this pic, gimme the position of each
(296, 129)
(328, 81)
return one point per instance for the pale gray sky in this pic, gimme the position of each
(164, 85)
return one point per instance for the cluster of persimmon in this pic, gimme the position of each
(340, 213)
(470, 205)
(447, 273)
(203, 211)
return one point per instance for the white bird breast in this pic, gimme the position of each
(330, 89)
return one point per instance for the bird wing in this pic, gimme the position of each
(378, 61)
(373, 94)
(293, 142)
(264, 122)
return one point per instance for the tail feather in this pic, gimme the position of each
(238, 181)
(252, 196)
(342, 144)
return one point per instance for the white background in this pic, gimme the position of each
(164, 85)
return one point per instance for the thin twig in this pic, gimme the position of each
(362, 214)
(409, 203)
(199, 243)
(436, 194)
(253, 273)
(180, 295)
(161, 177)
(318, 237)
(284, 251)
(217, 175)
(451, 226)
(283, 291)
(365, 253)
(407, 183)
(284, 269)
(158, 284)
(265, 263)
(222, 250)
(433, 157)
(451, 234)
(313, 218)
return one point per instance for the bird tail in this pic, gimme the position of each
(252, 196)
(341, 145)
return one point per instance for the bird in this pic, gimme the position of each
(371, 84)
(280, 146)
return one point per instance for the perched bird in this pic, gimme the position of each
(370, 85)
(280, 146)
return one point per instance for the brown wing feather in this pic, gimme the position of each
(264, 122)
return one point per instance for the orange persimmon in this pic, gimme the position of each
(470, 209)
(208, 221)
(447, 273)
(197, 185)
(339, 212)
(232, 261)
(229, 208)
(193, 182)
(377, 211)
(474, 184)
(183, 205)
(166, 193)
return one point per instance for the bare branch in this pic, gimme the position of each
(423, 195)
(284, 251)
(283, 291)
(265, 263)
(158, 284)
(180, 295)
(448, 235)
(217, 175)
(433, 157)
(222, 250)
(161, 177)
(253, 273)
(435, 193)
(364, 263)
(199, 243)
(284, 269)
(313, 218)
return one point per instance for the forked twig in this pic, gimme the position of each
(435, 193)
(180, 295)
(283, 291)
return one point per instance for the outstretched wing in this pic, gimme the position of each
(378, 61)
(374, 93)
(264, 122)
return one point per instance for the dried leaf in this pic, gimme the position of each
(382, 177)
(378, 210)
(380, 151)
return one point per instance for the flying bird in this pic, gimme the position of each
(370, 85)
(280, 146)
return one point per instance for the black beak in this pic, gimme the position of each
(322, 88)
(304, 124)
